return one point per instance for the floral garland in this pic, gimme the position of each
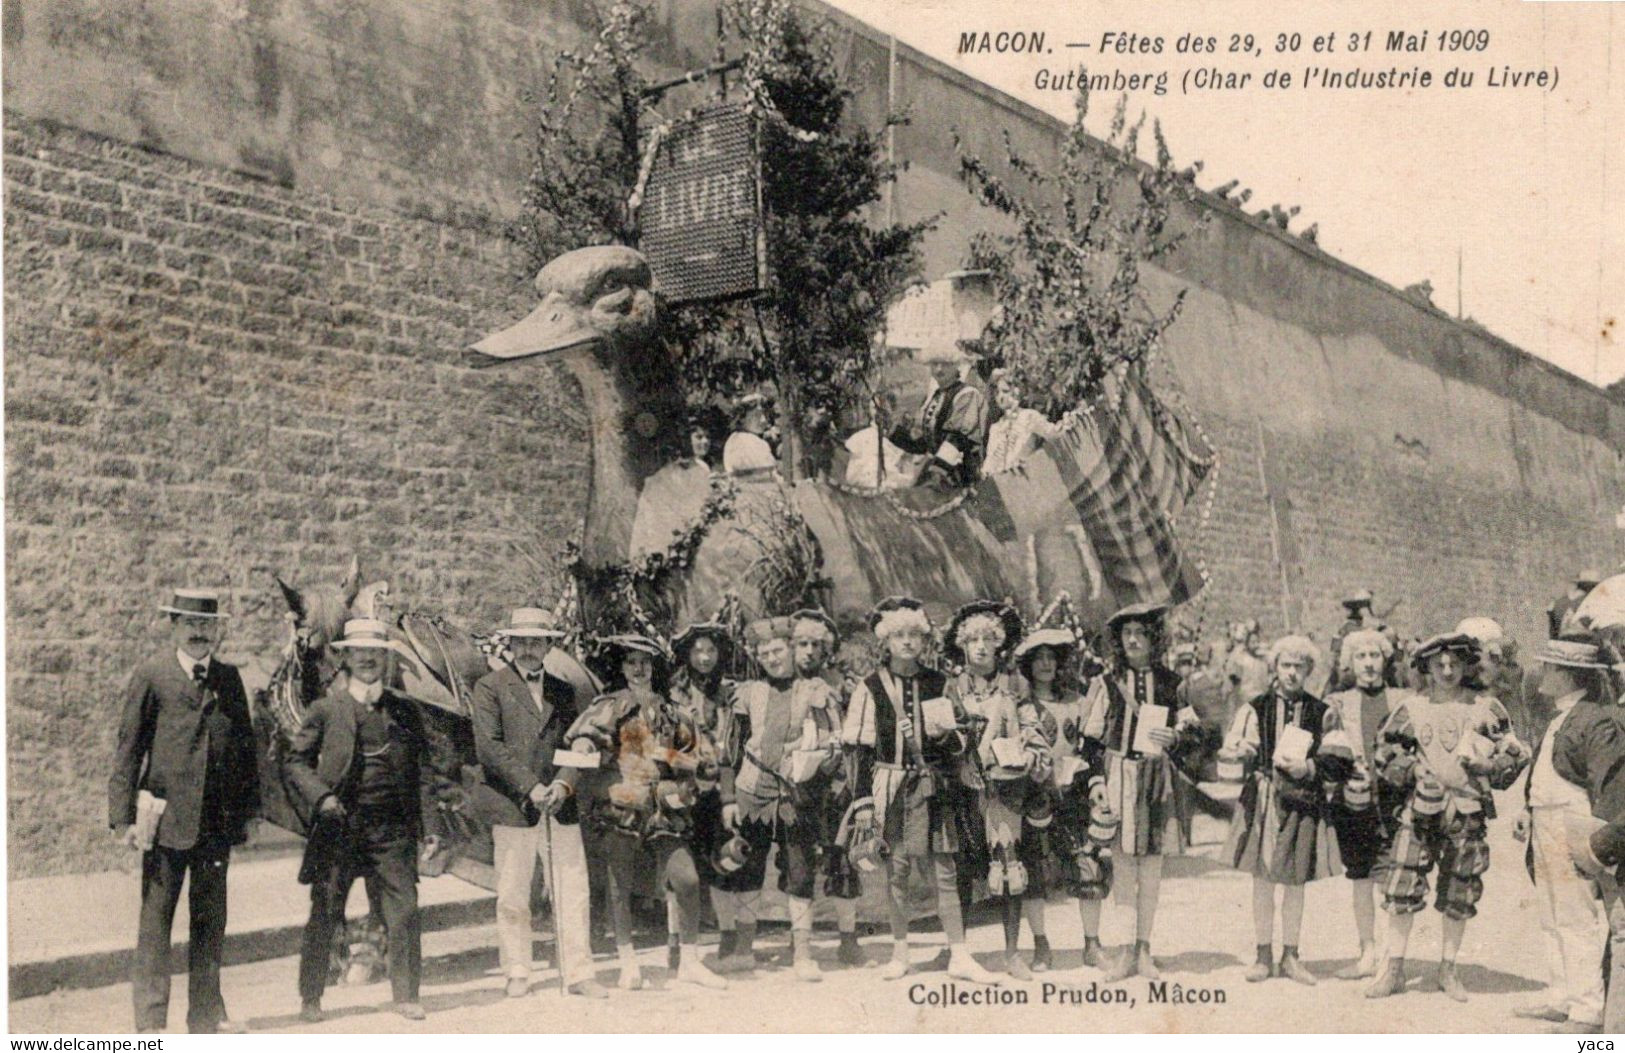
(649, 570)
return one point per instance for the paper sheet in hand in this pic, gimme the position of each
(1066, 769)
(1150, 717)
(938, 714)
(572, 759)
(1293, 746)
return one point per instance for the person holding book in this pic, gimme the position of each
(1075, 842)
(1296, 749)
(1447, 750)
(906, 738)
(1136, 733)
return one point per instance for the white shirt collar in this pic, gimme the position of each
(188, 662)
(367, 694)
(1566, 702)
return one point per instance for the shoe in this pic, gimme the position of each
(1147, 966)
(310, 1012)
(410, 1010)
(230, 1027)
(1550, 1014)
(588, 989)
(694, 972)
(518, 987)
(1258, 972)
(1042, 959)
(807, 970)
(1390, 981)
(850, 952)
(631, 977)
(897, 968)
(1123, 967)
(801, 958)
(961, 966)
(1359, 970)
(1016, 967)
(1092, 955)
(1450, 983)
(1294, 969)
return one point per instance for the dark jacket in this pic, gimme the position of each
(514, 741)
(1589, 751)
(323, 757)
(163, 747)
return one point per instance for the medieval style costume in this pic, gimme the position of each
(908, 737)
(1447, 751)
(1280, 834)
(1139, 764)
(1006, 771)
(951, 428)
(1069, 832)
(788, 734)
(813, 638)
(1365, 812)
(638, 802)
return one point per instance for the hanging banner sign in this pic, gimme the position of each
(699, 217)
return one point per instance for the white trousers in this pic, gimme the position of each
(517, 850)
(1573, 918)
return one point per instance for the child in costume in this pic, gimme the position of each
(1447, 750)
(639, 801)
(705, 693)
(789, 736)
(907, 737)
(1280, 834)
(1139, 766)
(1006, 769)
(1076, 841)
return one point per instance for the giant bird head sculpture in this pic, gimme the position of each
(599, 296)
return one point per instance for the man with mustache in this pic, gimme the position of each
(183, 790)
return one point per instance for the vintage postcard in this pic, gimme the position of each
(814, 516)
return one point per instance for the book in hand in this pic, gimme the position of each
(576, 759)
(1007, 752)
(148, 811)
(1150, 718)
(938, 716)
(1293, 746)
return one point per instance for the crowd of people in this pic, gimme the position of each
(986, 759)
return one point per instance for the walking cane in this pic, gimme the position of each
(551, 874)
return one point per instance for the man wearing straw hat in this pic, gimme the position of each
(1574, 777)
(521, 713)
(951, 427)
(364, 770)
(183, 789)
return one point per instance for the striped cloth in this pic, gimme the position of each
(1088, 514)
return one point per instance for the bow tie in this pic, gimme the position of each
(200, 673)
(534, 677)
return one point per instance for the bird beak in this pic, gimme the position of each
(552, 327)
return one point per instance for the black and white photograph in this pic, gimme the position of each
(528, 517)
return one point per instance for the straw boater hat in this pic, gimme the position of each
(1574, 654)
(946, 351)
(716, 632)
(1007, 616)
(196, 603)
(365, 633)
(1588, 578)
(1358, 598)
(533, 622)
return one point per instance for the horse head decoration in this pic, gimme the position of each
(1086, 515)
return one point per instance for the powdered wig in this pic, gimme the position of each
(1361, 638)
(902, 618)
(978, 625)
(1294, 647)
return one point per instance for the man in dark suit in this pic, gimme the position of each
(521, 713)
(183, 789)
(366, 774)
